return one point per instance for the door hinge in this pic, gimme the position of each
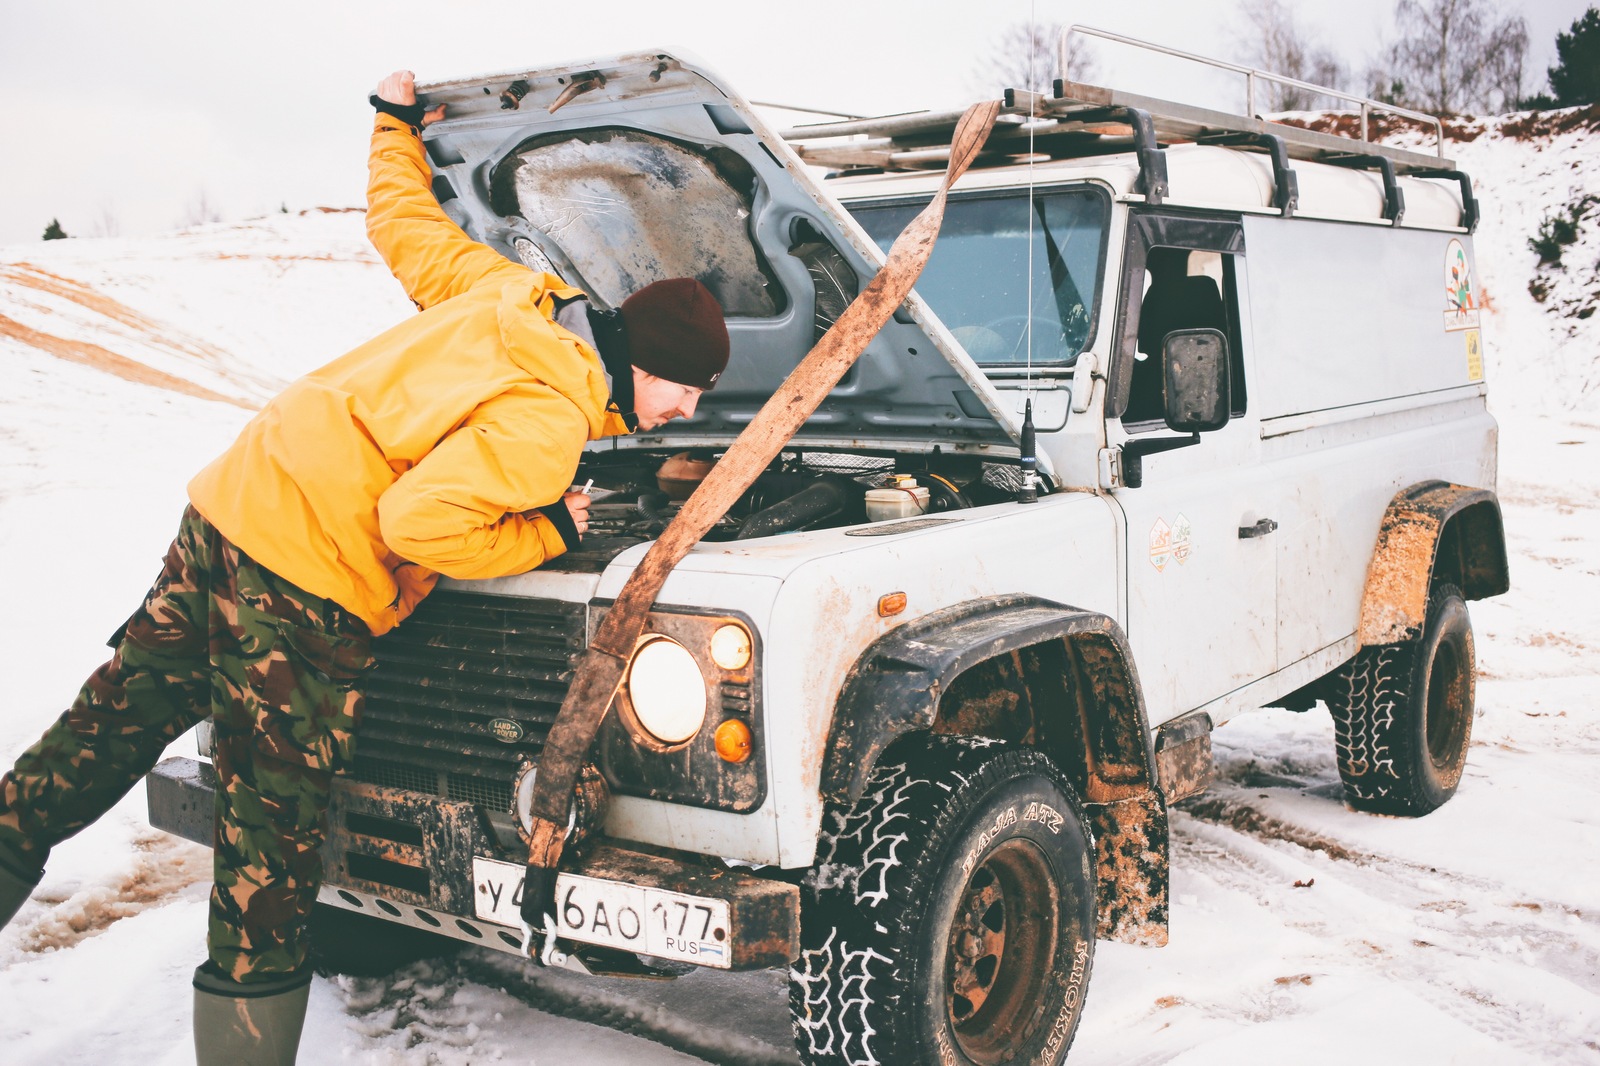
(1110, 468)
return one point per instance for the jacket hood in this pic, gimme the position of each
(528, 333)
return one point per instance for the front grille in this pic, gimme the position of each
(453, 681)
(467, 788)
(396, 775)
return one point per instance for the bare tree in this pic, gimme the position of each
(1024, 57)
(1455, 55)
(106, 223)
(201, 210)
(1505, 60)
(1281, 47)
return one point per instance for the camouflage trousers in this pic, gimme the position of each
(275, 668)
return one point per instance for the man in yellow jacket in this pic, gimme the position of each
(443, 446)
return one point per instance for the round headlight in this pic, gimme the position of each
(730, 647)
(667, 690)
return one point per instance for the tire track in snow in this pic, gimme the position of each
(1449, 938)
(164, 868)
(673, 1013)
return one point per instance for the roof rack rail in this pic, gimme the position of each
(1252, 76)
(1078, 121)
(1394, 199)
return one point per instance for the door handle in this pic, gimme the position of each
(1260, 529)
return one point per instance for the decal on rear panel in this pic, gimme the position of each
(1460, 299)
(1474, 355)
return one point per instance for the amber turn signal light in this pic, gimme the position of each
(733, 741)
(893, 603)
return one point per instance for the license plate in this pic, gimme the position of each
(651, 921)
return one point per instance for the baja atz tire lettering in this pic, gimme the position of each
(1005, 820)
(1043, 812)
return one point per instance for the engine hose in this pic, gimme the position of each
(650, 504)
(821, 499)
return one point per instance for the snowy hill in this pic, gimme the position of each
(1470, 936)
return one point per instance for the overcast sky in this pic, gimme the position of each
(128, 112)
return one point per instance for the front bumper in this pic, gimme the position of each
(407, 858)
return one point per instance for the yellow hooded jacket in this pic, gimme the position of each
(420, 452)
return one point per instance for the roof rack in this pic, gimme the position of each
(1252, 76)
(1079, 120)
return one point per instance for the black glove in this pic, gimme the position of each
(410, 114)
(538, 895)
(561, 518)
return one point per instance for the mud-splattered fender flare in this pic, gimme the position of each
(1432, 528)
(895, 688)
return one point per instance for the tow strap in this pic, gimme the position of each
(599, 671)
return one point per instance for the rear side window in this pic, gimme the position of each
(979, 278)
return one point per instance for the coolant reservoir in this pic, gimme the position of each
(902, 497)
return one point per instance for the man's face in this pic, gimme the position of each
(657, 401)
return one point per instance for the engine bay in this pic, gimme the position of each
(636, 493)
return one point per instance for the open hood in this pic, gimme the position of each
(648, 168)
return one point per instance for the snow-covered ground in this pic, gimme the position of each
(1301, 931)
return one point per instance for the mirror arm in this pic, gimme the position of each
(1134, 451)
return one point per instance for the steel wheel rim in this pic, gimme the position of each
(1002, 949)
(1446, 697)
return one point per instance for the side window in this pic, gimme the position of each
(1183, 289)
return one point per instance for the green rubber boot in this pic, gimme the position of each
(255, 1024)
(17, 881)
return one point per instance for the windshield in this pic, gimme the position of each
(978, 281)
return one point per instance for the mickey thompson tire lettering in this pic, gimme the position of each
(1402, 714)
(950, 916)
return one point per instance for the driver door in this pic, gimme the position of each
(1201, 564)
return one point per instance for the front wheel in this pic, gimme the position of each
(951, 915)
(1402, 714)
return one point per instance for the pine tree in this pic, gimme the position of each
(1575, 78)
(54, 232)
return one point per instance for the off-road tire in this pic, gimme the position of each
(362, 945)
(1402, 714)
(966, 866)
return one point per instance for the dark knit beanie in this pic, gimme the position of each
(676, 331)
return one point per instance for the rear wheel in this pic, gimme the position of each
(1402, 714)
(951, 915)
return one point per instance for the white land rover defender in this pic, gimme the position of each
(895, 725)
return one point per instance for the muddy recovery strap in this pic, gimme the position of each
(599, 671)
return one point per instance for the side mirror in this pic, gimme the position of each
(1197, 394)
